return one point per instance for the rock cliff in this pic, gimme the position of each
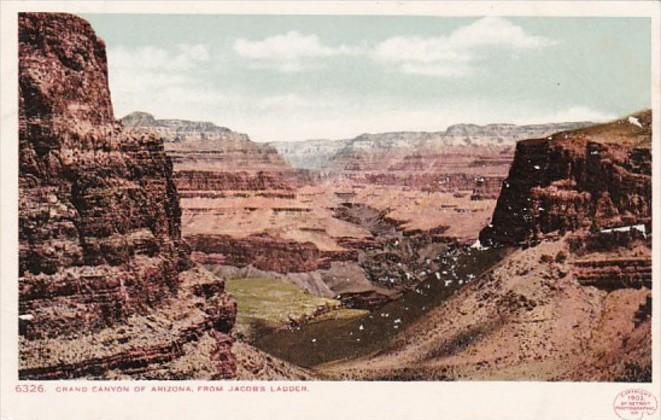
(594, 178)
(106, 285)
(209, 157)
(223, 178)
(395, 146)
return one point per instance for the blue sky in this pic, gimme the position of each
(302, 77)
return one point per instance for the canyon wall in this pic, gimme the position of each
(207, 157)
(570, 298)
(594, 178)
(467, 140)
(265, 253)
(413, 189)
(106, 285)
(465, 157)
(225, 179)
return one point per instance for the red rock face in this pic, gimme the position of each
(594, 178)
(615, 273)
(213, 163)
(207, 157)
(265, 253)
(198, 182)
(99, 225)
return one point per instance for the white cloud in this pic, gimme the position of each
(495, 31)
(289, 46)
(437, 69)
(289, 52)
(456, 54)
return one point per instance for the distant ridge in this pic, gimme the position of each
(320, 153)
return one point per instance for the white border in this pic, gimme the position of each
(336, 400)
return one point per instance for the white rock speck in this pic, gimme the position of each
(634, 121)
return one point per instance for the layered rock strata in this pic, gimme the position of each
(571, 299)
(615, 273)
(596, 178)
(106, 285)
(207, 157)
(225, 178)
(404, 147)
(265, 253)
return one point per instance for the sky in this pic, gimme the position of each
(291, 78)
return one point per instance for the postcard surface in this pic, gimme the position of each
(330, 209)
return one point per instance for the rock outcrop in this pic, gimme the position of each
(615, 273)
(265, 253)
(208, 157)
(106, 285)
(595, 178)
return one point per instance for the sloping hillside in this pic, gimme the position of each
(575, 302)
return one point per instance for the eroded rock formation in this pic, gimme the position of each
(245, 208)
(106, 285)
(594, 178)
(265, 253)
(224, 178)
(402, 146)
(207, 157)
(615, 273)
(571, 298)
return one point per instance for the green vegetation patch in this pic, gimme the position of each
(265, 303)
